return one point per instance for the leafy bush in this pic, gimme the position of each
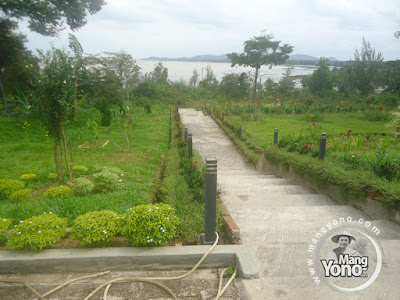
(58, 191)
(27, 177)
(52, 176)
(21, 195)
(83, 186)
(378, 116)
(105, 180)
(4, 224)
(9, 186)
(80, 169)
(37, 232)
(97, 227)
(114, 170)
(150, 225)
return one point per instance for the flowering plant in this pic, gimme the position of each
(150, 224)
(37, 232)
(96, 227)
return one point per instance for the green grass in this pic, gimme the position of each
(333, 124)
(28, 150)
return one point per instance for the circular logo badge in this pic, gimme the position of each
(348, 258)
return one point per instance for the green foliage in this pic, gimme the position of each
(37, 232)
(105, 180)
(83, 186)
(21, 195)
(96, 228)
(235, 85)
(58, 191)
(27, 177)
(4, 224)
(383, 166)
(150, 225)
(321, 80)
(103, 106)
(80, 169)
(93, 129)
(55, 13)
(378, 116)
(259, 51)
(366, 66)
(9, 186)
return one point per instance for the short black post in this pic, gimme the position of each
(210, 201)
(276, 136)
(179, 118)
(222, 117)
(322, 145)
(190, 150)
(186, 134)
(240, 131)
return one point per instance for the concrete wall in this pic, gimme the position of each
(372, 208)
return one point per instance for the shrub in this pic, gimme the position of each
(27, 177)
(80, 169)
(83, 186)
(52, 176)
(21, 195)
(97, 227)
(113, 170)
(58, 191)
(150, 225)
(4, 224)
(105, 180)
(37, 232)
(378, 116)
(9, 186)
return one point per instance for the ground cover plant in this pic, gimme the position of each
(363, 137)
(29, 151)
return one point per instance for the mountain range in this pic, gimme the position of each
(224, 58)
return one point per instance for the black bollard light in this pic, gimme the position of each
(322, 146)
(210, 201)
(190, 149)
(276, 136)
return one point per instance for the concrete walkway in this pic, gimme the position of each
(278, 219)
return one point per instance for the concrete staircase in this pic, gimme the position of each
(278, 219)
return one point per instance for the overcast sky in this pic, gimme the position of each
(185, 28)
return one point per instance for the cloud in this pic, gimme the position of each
(175, 28)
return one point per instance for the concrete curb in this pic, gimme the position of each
(127, 259)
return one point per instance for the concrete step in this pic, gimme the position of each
(202, 284)
(250, 181)
(225, 177)
(238, 172)
(267, 190)
(279, 200)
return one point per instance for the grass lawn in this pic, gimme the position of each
(262, 129)
(25, 149)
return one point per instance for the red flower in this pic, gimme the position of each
(313, 123)
(394, 166)
(195, 164)
(350, 131)
(310, 147)
(398, 127)
(130, 122)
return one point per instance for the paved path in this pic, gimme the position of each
(278, 219)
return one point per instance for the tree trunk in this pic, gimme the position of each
(6, 110)
(66, 152)
(255, 86)
(56, 160)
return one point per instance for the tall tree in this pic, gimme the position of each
(321, 81)
(195, 78)
(47, 17)
(125, 67)
(258, 51)
(366, 66)
(55, 88)
(160, 74)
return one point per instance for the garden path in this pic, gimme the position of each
(278, 219)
